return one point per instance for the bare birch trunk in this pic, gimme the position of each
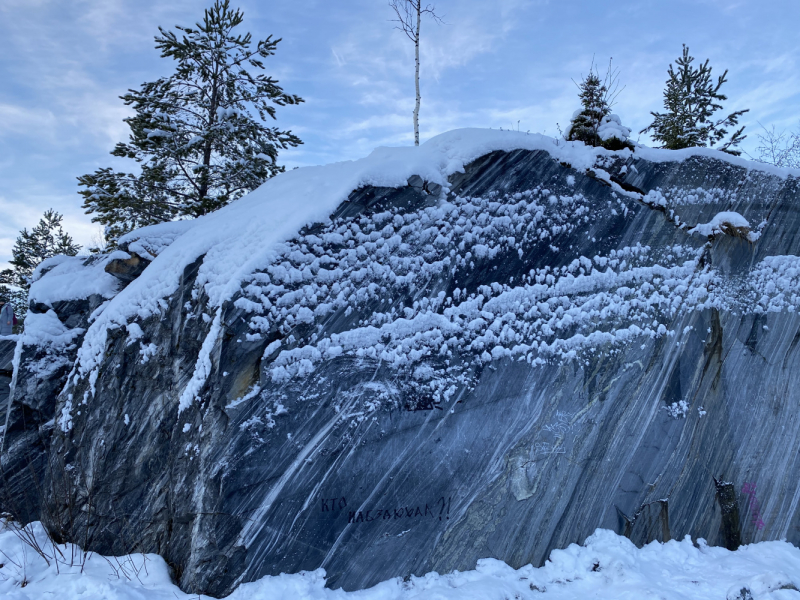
(416, 74)
(405, 9)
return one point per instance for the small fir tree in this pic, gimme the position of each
(593, 95)
(691, 98)
(44, 241)
(199, 136)
(597, 96)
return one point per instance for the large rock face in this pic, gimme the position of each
(430, 377)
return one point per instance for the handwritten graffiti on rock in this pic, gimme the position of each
(560, 426)
(558, 429)
(755, 511)
(438, 510)
(332, 504)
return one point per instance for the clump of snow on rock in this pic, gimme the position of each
(679, 409)
(728, 222)
(73, 277)
(776, 284)
(606, 566)
(611, 127)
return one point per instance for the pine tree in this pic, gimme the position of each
(44, 241)
(691, 98)
(199, 136)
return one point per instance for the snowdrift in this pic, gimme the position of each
(606, 566)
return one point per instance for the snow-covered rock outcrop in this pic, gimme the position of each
(489, 345)
(611, 127)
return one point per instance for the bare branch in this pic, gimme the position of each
(405, 11)
(779, 148)
(431, 10)
(611, 83)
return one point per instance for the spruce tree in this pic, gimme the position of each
(593, 94)
(44, 241)
(200, 136)
(593, 124)
(691, 98)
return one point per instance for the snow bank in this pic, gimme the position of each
(606, 566)
(661, 155)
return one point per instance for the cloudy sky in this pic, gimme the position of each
(506, 63)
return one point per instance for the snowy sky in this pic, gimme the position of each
(508, 63)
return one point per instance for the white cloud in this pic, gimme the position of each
(21, 120)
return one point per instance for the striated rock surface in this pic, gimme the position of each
(60, 311)
(489, 364)
(7, 345)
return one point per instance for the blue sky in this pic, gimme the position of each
(508, 63)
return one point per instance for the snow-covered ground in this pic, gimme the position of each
(608, 566)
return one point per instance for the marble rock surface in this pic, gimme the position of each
(6, 370)
(435, 377)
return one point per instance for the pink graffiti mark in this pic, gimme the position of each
(750, 490)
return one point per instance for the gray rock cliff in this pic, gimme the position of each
(436, 375)
(6, 371)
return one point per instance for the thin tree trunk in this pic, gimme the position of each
(212, 113)
(207, 149)
(416, 74)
